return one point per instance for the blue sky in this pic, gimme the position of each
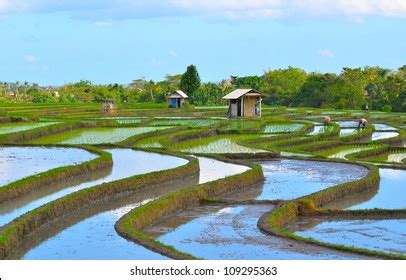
(106, 41)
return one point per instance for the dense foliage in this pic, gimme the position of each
(354, 88)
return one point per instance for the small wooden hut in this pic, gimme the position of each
(176, 99)
(109, 106)
(244, 103)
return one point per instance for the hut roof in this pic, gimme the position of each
(178, 92)
(240, 92)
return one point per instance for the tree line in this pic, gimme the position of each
(382, 89)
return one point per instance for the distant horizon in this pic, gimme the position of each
(163, 78)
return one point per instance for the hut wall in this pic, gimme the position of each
(233, 109)
(176, 102)
(249, 106)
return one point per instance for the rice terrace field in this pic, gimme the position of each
(150, 182)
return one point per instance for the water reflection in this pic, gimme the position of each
(126, 163)
(20, 162)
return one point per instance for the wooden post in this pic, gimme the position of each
(260, 106)
(242, 106)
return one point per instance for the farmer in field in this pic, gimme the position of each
(362, 123)
(327, 120)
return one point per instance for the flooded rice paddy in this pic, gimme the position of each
(219, 232)
(94, 237)
(348, 124)
(348, 131)
(19, 162)
(282, 128)
(18, 127)
(221, 146)
(290, 179)
(383, 135)
(379, 235)
(397, 158)
(96, 135)
(391, 193)
(126, 163)
(207, 231)
(231, 233)
(211, 169)
(344, 153)
(384, 127)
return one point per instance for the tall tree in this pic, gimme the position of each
(283, 84)
(313, 92)
(190, 81)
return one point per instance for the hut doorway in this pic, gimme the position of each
(235, 108)
(239, 109)
(176, 103)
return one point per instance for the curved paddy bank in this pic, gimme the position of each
(390, 194)
(387, 236)
(287, 179)
(286, 219)
(94, 236)
(24, 229)
(126, 163)
(231, 232)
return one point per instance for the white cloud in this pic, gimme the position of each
(355, 10)
(326, 53)
(155, 61)
(173, 54)
(29, 58)
(104, 23)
